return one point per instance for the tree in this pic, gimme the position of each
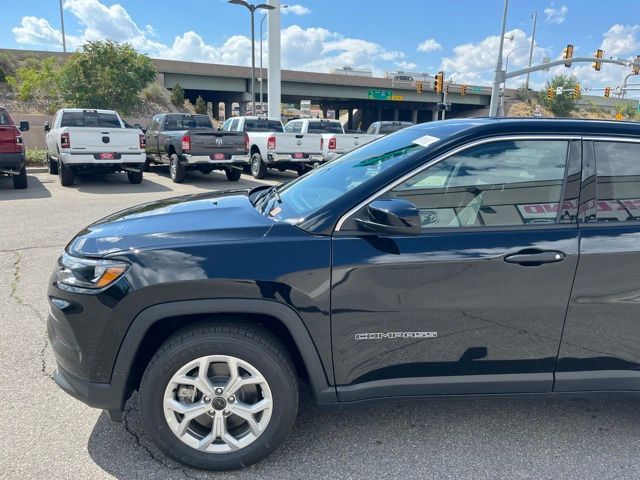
(177, 95)
(106, 75)
(40, 81)
(626, 109)
(561, 105)
(201, 105)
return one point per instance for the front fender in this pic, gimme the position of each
(322, 390)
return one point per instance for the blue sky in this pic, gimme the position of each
(412, 35)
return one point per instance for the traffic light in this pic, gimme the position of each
(567, 54)
(550, 93)
(607, 92)
(598, 65)
(419, 87)
(463, 90)
(635, 69)
(576, 90)
(438, 86)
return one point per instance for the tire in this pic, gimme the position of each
(20, 180)
(258, 168)
(65, 174)
(176, 169)
(53, 165)
(301, 169)
(258, 352)
(233, 174)
(146, 165)
(135, 178)
(205, 170)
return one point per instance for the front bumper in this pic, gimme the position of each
(89, 159)
(273, 158)
(11, 163)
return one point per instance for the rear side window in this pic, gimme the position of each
(617, 181)
(90, 119)
(498, 184)
(4, 118)
(262, 125)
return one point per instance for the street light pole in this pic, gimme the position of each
(261, 72)
(252, 9)
(533, 41)
(64, 40)
(499, 77)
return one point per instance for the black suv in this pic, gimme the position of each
(462, 257)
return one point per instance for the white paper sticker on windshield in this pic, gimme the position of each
(425, 141)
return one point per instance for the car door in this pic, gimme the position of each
(152, 137)
(600, 348)
(476, 302)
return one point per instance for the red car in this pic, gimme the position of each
(12, 149)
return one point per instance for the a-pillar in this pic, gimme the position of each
(414, 115)
(228, 110)
(396, 114)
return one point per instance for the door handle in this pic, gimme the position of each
(535, 258)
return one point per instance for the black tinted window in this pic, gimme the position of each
(187, 122)
(618, 181)
(262, 125)
(501, 183)
(324, 127)
(90, 119)
(386, 128)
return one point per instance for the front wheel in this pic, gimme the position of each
(53, 165)
(20, 180)
(66, 174)
(258, 168)
(176, 169)
(301, 169)
(219, 397)
(135, 178)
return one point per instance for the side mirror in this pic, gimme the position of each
(47, 127)
(392, 216)
(24, 126)
(137, 125)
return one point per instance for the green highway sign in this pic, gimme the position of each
(379, 94)
(476, 89)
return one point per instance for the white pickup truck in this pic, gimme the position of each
(83, 140)
(336, 142)
(271, 147)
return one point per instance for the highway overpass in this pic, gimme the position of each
(373, 98)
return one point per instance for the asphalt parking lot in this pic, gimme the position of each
(47, 434)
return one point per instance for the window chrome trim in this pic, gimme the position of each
(451, 153)
(612, 139)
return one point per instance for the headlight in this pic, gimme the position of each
(89, 273)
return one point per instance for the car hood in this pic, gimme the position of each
(204, 218)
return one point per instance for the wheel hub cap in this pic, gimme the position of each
(219, 403)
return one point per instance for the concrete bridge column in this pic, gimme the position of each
(228, 110)
(435, 115)
(396, 114)
(379, 114)
(215, 110)
(350, 119)
(414, 115)
(242, 108)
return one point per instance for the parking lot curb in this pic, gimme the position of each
(37, 169)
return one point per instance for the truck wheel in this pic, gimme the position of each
(233, 174)
(20, 180)
(301, 169)
(65, 174)
(219, 397)
(135, 178)
(146, 165)
(176, 169)
(258, 168)
(53, 165)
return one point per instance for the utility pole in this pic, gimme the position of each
(64, 40)
(533, 42)
(500, 74)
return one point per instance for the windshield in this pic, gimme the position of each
(324, 127)
(295, 201)
(90, 119)
(187, 122)
(262, 125)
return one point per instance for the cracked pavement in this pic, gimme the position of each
(44, 433)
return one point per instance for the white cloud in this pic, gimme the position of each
(621, 40)
(296, 10)
(555, 15)
(475, 62)
(313, 48)
(429, 45)
(406, 65)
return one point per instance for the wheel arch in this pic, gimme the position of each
(154, 325)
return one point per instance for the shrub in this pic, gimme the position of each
(177, 95)
(561, 105)
(201, 105)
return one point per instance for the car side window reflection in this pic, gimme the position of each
(496, 184)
